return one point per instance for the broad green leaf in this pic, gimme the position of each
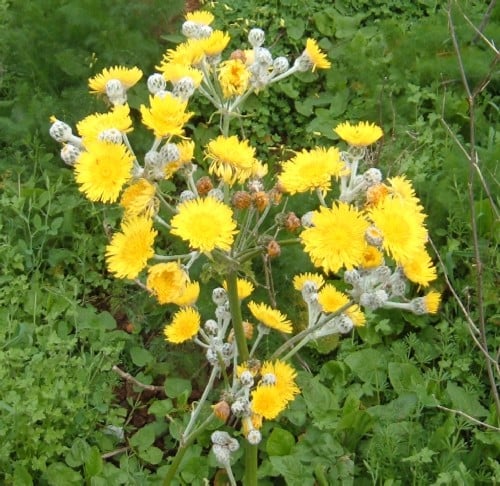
(399, 409)
(465, 401)
(404, 377)
(369, 365)
(78, 453)
(22, 477)
(160, 408)
(141, 356)
(280, 442)
(58, 474)
(293, 470)
(94, 463)
(295, 28)
(175, 387)
(143, 438)
(152, 455)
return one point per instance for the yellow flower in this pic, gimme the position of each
(167, 115)
(267, 401)
(127, 77)
(245, 288)
(360, 135)
(215, 43)
(167, 281)
(184, 326)
(128, 251)
(302, 278)
(206, 224)
(312, 169)
(402, 228)
(173, 72)
(400, 187)
(232, 160)
(201, 17)
(189, 295)
(102, 170)
(189, 53)
(372, 258)
(376, 194)
(93, 125)
(315, 55)
(420, 269)
(285, 378)
(332, 300)
(337, 237)
(139, 198)
(271, 318)
(431, 302)
(233, 78)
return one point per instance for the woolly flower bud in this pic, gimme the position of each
(220, 437)
(227, 350)
(273, 249)
(255, 185)
(303, 63)
(216, 193)
(246, 379)
(222, 410)
(205, 31)
(374, 236)
(222, 312)
(292, 222)
(184, 88)
(70, 154)
(306, 220)
(219, 296)
(190, 29)
(263, 56)
(116, 92)
(204, 185)
(60, 131)
(344, 323)
(222, 454)
(398, 287)
(372, 176)
(240, 407)
(280, 65)
(254, 437)
(212, 357)
(170, 152)
(156, 83)
(256, 37)
(269, 379)
(186, 196)
(152, 158)
(309, 291)
(241, 200)
(111, 135)
(373, 300)
(351, 277)
(211, 327)
(233, 445)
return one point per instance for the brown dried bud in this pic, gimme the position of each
(291, 222)
(260, 200)
(204, 185)
(238, 54)
(247, 329)
(273, 249)
(222, 410)
(241, 200)
(275, 195)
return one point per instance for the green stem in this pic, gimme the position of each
(250, 464)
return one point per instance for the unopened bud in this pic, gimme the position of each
(204, 185)
(241, 200)
(222, 410)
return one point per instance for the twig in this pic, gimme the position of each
(468, 417)
(484, 21)
(129, 378)
(107, 455)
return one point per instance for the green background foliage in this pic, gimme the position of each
(370, 414)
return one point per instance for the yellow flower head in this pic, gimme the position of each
(244, 286)
(174, 72)
(312, 169)
(215, 43)
(269, 317)
(401, 188)
(267, 401)
(300, 280)
(129, 250)
(420, 269)
(139, 199)
(372, 258)
(232, 160)
(284, 376)
(331, 300)
(167, 281)
(360, 135)
(189, 295)
(206, 224)
(233, 78)
(127, 77)
(337, 237)
(315, 56)
(402, 228)
(102, 170)
(201, 17)
(184, 326)
(431, 302)
(376, 194)
(166, 116)
(189, 53)
(93, 125)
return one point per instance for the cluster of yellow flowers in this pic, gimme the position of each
(373, 232)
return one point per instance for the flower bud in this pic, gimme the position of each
(60, 131)
(216, 193)
(238, 54)
(268, 379)
(186, 195)
(240, 407)
(374, 236)
(273, 249)
(184, 88)
(219, 296)
(116, 92)
(204, 185)
(263, 56)
(170, 152)
(256, 37)
(222, 455)
(260, 200)
(372, 176)
(292, 222)
(246, 379)
(156, 83)
(280, 65)
(211, 327)
(241, 200)
(306, 219)
(254, 437)
(222, 410)
(111, 135)
(70, 154)
(190, 29)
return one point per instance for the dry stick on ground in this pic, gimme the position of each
(473, 167)
(130, 379)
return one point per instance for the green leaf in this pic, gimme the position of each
(397, 410)
(404, 377)
(58, 474)
(78, 453)
(175, 387)
(464, 401)
(160, 408)
(295, 28)
(152, 455)
(22, 477)
(280, 442)
(293, 470)
(141, 356)
(369, 365)
(93, 464)
(143, 438)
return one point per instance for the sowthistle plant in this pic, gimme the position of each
(366, 230)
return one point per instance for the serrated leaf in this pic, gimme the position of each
(280, 442)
